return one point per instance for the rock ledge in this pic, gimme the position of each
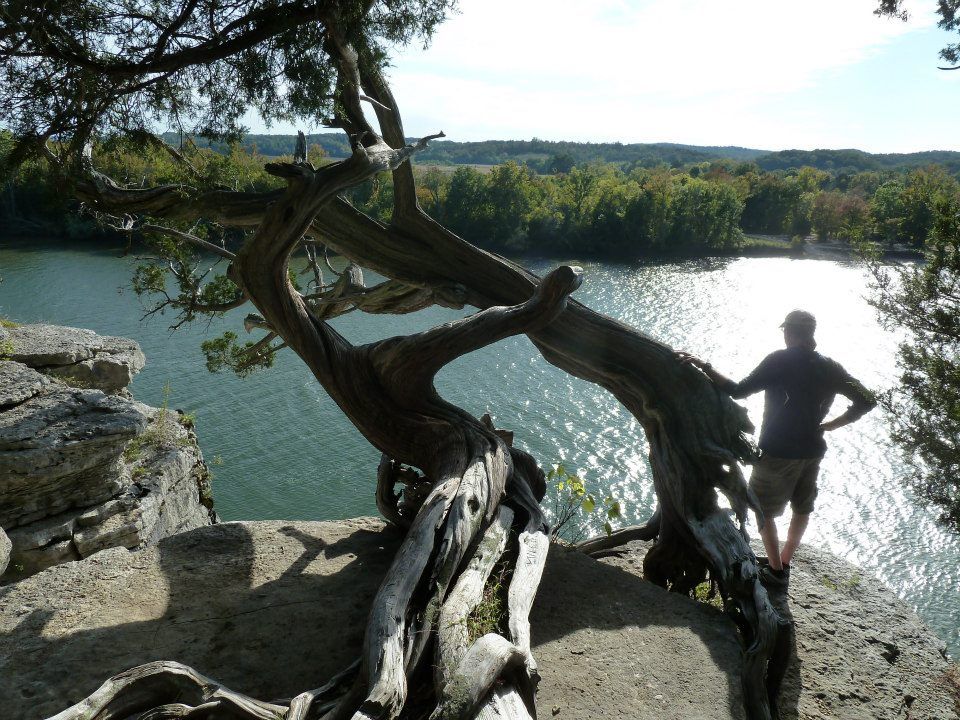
(80, 469)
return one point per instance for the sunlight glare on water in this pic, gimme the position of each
(288, 451)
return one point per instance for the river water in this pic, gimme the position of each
(287, 451)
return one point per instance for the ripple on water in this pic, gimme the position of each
(288, 452)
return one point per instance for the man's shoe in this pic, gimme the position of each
(775, 579)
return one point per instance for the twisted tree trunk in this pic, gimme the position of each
(467, 495)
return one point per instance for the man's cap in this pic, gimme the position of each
(800, 319)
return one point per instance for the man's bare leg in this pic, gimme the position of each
(798, 525)
(771, 542)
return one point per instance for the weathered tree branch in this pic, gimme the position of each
(143, 688)
(648, 531)
(187, 238)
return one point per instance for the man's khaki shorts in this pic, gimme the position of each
(779, 480)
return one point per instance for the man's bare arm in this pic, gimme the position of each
(861, 399)
(715, 377)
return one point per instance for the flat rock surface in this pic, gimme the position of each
(859, 652)
(611, 645)
(43, 345)
(273, 608)
(269, 608)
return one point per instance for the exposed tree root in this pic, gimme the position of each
(167, 690)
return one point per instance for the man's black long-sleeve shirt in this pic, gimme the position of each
(800, 386)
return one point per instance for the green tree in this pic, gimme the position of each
(511, 194)
(771, 204)
(433, 185)
(825, 216)
(923, 191)
(561, 163)
(465, 209)
(705, 214)
(886, 209)
(653, 208)
(924, 298)
(612, 228)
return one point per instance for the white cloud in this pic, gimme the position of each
(674, 70)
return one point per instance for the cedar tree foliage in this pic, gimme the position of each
(949, 12)
(924, 298)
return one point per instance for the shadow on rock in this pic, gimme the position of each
(269, 609)
(273, 608)
(606, 638)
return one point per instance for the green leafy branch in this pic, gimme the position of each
(226, 353)
(571, 500)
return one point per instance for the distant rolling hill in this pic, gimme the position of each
(857, 160)
(545, 154)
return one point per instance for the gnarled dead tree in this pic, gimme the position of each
(469, 500)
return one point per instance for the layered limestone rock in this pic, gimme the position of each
(81, 470)
(60, 447)
(226, 598)
(80, 357)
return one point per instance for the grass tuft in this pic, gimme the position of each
(488, 616)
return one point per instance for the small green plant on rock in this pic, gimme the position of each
(844, 585)
(77, 383)
(204, 480)
(707, 592)
(163, 432)
(571, 499)
(133, 450)
(188, 420)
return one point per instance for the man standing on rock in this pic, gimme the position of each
(800, 385)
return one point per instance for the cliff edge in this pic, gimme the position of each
(83, 466)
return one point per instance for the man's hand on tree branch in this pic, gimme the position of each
(715, 377)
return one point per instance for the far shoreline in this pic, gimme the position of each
(753, 246)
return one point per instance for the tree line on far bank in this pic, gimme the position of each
(592, 210)
(603, 211)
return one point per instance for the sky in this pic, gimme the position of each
(766, 74)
